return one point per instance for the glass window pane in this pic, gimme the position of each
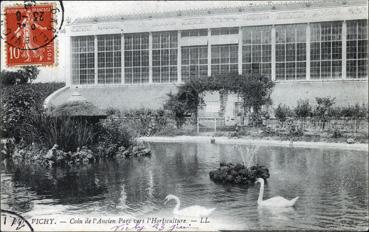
(256, 49)
(83, 60)
(280, 71)
(356, 48)
(315, 70)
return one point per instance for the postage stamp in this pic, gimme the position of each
(30, 31)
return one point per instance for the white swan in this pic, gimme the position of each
(274, 201)
(192, 211)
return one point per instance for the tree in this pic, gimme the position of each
(177, 109)
(303, 109)
(29, 73)
(24, 75)
(9, 77)
(282, 112)
(255, 91)
(324, 106)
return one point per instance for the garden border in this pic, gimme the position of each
(262, 142)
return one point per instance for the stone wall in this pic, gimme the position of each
(346, 92)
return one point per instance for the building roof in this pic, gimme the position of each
(250, 7)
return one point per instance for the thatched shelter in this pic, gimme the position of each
(77, 106)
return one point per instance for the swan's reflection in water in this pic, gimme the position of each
(276, 217)
(280, 213)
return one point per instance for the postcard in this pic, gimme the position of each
(184, 115)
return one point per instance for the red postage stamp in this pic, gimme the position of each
(29, 34)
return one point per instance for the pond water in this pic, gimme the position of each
(332, 186)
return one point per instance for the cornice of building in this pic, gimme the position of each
(251, 7)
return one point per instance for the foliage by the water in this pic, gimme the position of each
(68, 133)
(144, 122)
(40, 155)
(17, 104)
(255, 91)
(24, 119)
(238, 174)
(24, 75)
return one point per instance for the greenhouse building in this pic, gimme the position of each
(308, 48)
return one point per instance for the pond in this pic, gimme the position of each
(332, 186)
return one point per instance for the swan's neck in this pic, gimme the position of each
(261, 192)
(178, 204)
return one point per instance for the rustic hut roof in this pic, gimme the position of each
(78, 106)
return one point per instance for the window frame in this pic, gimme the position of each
(114, 68)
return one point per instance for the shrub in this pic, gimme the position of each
(268, 131)
(177, 109)
(18, 101)
(255, 119)
(351, 112)
(16, 106)
(324, 105)
(282, 112)
(295, 130)
(336, 112)
(114, 132)
(336, 133)
(9, 77)
(67, 132)
(143, 122)
(29, 73)
(21, 76)
(71, 133)
(112, 111)
(146, 121)
(303, 109)
(354, 112)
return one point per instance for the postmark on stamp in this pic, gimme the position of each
(29, 33)
(11, 221)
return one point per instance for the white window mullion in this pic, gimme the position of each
(95, 59)
(240, 51)
(320, 52)
(357, 51)
(308, 40)
(79, 62)
(209, 53)
(295, 46)
(285, 54)
(331, 57)
(179, 60)
(150, 57)
(273, 53)
(344, 50)
(122, 49)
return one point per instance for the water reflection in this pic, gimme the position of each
(332, 185)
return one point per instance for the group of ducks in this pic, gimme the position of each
(200, 211)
